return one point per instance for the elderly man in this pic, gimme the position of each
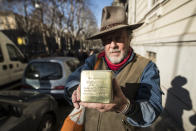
(137, 93)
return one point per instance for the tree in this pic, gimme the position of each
(72, 19)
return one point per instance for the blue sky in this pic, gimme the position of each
(97, 6)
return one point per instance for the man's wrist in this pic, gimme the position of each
(125, 107)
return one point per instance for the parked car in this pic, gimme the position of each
(49, 75)
(12, 61)
(27, 111)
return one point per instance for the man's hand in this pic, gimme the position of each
(118, 104)
(76, 98)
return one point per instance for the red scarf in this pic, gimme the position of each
(115, 66)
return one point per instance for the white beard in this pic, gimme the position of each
(114, 59)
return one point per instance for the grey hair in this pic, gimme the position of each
(129, 34)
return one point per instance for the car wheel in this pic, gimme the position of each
(48, 123)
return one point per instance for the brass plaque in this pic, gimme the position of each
(96, 86)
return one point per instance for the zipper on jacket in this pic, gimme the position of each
(99, 121)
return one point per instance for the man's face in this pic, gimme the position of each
(116, 46)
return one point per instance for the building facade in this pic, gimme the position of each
(7, 21)
(168, 37)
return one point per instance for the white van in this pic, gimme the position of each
(12, 61)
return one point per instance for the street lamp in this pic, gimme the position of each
(37, 4)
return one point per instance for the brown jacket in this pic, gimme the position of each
(128, 79)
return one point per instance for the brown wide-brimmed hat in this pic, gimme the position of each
(113, 18)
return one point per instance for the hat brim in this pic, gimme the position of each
(101, 33)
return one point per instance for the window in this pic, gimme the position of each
(14, 54)
(44, 71)
(152, 55)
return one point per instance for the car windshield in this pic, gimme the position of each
(44, 71)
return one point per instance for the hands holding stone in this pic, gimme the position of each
(120, 102)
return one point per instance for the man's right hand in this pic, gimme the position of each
(76, 97)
